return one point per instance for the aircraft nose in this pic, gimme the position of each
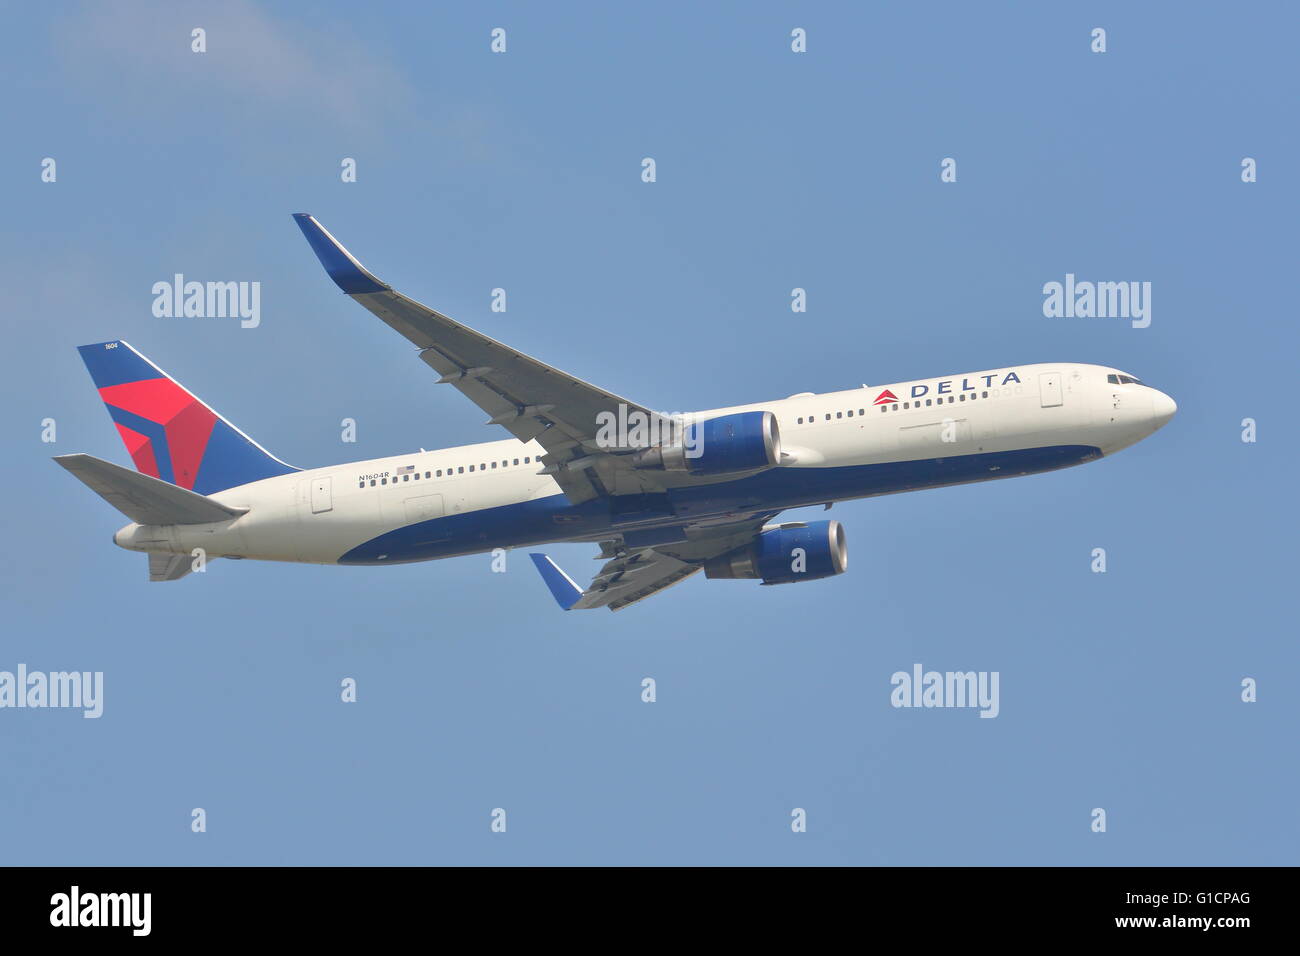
(1162, 409)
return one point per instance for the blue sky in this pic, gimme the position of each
(775, 170)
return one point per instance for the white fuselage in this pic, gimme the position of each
(841, 445)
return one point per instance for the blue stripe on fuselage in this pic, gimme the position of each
(554, 519)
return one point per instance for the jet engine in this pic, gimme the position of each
(787, 553)
(744, 441)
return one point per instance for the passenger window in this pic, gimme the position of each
(438, 473)
(516, 461)
(460, 470)
(985, 395)
(895, 408)
(372, 482)
(383, 481)
(494, 464)
(525, 459)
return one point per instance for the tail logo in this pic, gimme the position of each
(169, 433)
(163, 427)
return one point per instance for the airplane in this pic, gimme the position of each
(664, 496)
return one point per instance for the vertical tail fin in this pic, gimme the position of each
(168, 432)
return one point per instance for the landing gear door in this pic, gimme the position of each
(1049, 389)
(322, 497)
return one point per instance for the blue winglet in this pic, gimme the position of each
(562, 587)
(348, 274)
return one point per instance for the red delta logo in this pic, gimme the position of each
(885, 398)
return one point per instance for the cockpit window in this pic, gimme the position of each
(1123, 380)
(1112, 379)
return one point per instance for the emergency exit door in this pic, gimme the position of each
(322, 497)
(1049, 389)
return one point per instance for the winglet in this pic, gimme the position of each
(348, 274)
(566, 593)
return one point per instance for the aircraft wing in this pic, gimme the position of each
(633, 574)
(528, 398)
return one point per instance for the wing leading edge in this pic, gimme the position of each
(528, 398)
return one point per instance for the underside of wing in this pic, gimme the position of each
(633, 574)
(619, 583)
(528, 398)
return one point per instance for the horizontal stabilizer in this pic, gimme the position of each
(169, 567)
(143, 499)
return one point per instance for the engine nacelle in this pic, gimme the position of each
(745, 441)
(787, 554)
